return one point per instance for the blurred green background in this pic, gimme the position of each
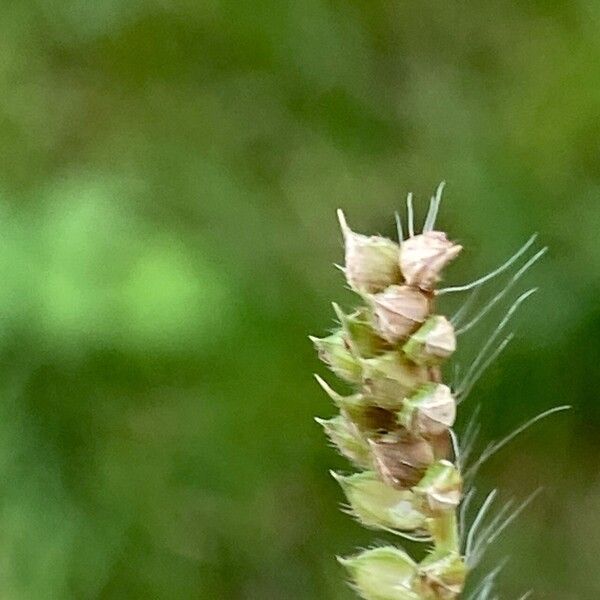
(169, 177)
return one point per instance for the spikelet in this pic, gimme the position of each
(372, 262)
(430, 411)
(399, 311)
(434, 342)
(423, 257)
(401, 458)
(380, 506)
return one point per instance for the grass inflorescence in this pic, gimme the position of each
(413, 474)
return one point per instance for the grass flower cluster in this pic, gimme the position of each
(412, 474)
